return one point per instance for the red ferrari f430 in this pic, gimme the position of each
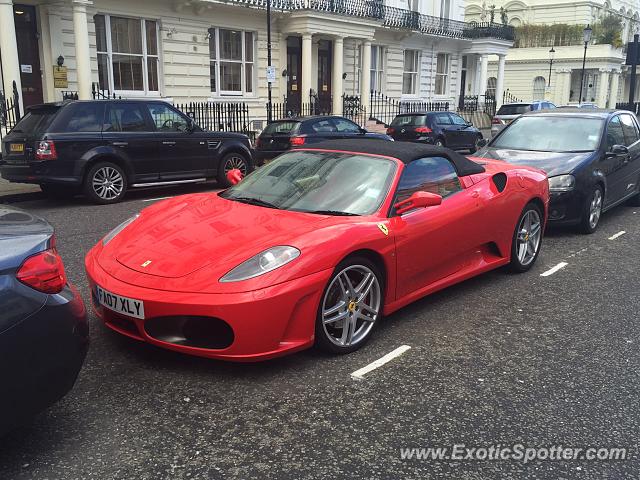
(314, 247)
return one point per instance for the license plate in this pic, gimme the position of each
(126, 306)
(16, 148)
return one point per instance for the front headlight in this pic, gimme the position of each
(113, 233)
(262, 263)
(562, 183)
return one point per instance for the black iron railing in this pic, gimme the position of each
(99, 94)
(508, 97)
(219, 116)
(392, 17)
(69, 95)
(10, 113)
(478, 103)
(631, 107)
(384, 109)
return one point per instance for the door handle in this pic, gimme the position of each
(120, 144)
(171, 144)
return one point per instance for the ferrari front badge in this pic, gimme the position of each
(383, 228)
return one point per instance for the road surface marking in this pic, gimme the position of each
(619, 234)
(156, 199)
(359, 374)
(553, 270)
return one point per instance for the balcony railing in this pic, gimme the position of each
(391, 17)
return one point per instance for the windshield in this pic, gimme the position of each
(546, 133)
(409, 120)
(318, 182)
(280, 128)
(518, 109)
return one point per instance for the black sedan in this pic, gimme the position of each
(444, 129)
(592, 159)
(43, 322)
(282, 135)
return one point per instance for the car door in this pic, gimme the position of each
(466, 135)
(613, 166)
(347, 129)
(632, 142)
(129, 131)
(182, 152)
(433, 243)
(447, 129)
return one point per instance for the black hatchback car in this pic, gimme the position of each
(592, 158)
(444, 129)
(282, 135)
(104, 147)
(44, 333)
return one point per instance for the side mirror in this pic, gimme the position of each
(617, 150)
(191, 125)
(418, 200)
(234, 176)
(483, 142)
(363, 130)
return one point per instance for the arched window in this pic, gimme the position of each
(538, 88)
(491, 86)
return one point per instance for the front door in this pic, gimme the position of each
(324, 77)
(294, 75)
(28, 54)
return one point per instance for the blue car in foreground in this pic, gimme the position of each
(44, 333)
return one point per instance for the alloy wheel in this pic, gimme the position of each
(107, 183)
(529, 236)
(235, 162)
(595, 208)
(351, 305)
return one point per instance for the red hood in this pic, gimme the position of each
(180, 236)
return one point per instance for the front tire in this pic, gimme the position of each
(350, 307)
(527, 239)
(439, 142)
(474, 147)
(592, 210)
(105, 183)
(230, 162)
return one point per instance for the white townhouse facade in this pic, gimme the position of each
(532, 75)
(216, 50)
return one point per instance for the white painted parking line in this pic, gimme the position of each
(359, 374)
(617, 235)
(553, 270)
(155, 199)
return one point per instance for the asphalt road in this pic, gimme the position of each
(508, 359)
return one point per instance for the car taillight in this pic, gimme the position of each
(423, 130)
(496, 121)
(297, 141)
(391, 131)
(46, 150)
(44, 272)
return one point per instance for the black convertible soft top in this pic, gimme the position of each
(406, 152)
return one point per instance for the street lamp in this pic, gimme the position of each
(552, 54)
(586, 36)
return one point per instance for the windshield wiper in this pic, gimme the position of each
(254, 201)
(333, 212)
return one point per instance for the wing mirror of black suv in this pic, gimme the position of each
(483, 142)
(191, 125)
(617, 150)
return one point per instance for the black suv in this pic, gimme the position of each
(104, 147)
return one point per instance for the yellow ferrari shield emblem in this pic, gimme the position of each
(383, 228)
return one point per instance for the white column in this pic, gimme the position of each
(603, 88)
(83, 60)
(562, 88)
(305, 84)
(337, 86)
(500, 80)
(476, 76)
(484, 70)
(9, 50)
(365, 75)
(613, 95)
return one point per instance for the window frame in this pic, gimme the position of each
(214, 33)
(377, 79)
(149, 123)
(145, 56)
(414, 74)
(624, 132)
(444, 76)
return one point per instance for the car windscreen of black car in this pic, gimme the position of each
(79, 117)
(409, 121)
(514, 109)
(36, 121)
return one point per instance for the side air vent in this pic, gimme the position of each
(213, 144)
(500, 181)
